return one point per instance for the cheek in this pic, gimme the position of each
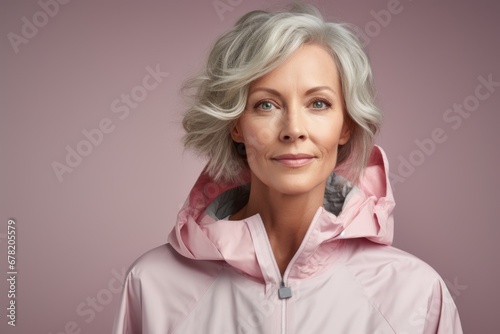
(256, 142)
(327, 138)
(258, 135)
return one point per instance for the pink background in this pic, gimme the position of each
(75, 236)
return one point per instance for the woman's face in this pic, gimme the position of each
(293, 123)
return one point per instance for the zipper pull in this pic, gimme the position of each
(284, 292)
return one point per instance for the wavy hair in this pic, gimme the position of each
(258, 43)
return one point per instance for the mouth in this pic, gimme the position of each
(294, 160)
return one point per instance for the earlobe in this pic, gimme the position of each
(236, 133)
(345, 135)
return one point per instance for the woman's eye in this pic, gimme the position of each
(266, 105)
(320, 104)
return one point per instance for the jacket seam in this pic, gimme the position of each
(197, 302)
(370, 299)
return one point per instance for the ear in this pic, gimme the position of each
(345, 134)
(236, 133)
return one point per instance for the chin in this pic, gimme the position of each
(295, 185)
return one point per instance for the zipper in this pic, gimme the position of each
(283, 316)
(285, 292)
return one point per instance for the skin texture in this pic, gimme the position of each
(297, 109)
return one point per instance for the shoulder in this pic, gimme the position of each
(391, 276)
(163, 264)
(161, 288)
(161, 277)
(367, 258)
(402, 287)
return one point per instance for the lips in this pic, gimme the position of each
(294, 160)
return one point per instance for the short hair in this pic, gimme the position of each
(258, 43)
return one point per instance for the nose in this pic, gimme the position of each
(293, 126)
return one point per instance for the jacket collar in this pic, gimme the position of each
(365, 211)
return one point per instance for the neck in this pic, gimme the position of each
(286, 217)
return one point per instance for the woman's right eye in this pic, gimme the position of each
(265, 105)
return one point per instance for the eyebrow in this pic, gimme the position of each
(309, 91)
(315, 89)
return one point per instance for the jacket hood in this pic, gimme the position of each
(202, 231)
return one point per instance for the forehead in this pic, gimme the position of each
(311, 65)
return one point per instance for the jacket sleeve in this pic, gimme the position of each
(129, 317)
(442, 314)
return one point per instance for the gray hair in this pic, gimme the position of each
(258, 43)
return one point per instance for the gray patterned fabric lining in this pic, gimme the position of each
(337, 192)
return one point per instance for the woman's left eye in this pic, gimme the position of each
(319, 104)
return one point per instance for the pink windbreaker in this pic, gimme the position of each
(219, 276)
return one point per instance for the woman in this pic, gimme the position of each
(288, 228)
